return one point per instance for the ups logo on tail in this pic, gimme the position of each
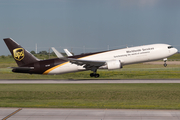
(18, 54)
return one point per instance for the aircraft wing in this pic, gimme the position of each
(88, 64)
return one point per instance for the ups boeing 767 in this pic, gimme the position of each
(111, 59)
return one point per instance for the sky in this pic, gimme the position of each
(89, 25)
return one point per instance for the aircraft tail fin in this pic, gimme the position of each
(21, 56)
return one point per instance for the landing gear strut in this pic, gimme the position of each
(94, 74)
(165, 64)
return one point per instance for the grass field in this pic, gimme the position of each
(110, 96)
(136, 71)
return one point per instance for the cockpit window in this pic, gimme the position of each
(169, 47)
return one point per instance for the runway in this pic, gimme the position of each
(87, 114)
(85, 81)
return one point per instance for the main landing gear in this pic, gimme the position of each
(94, 74)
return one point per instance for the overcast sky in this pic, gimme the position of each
(89, 25)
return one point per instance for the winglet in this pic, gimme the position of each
(59, 55)
(67, 52)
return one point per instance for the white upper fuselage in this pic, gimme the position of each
(136, 54)
(126, 56)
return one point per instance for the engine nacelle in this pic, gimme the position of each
(114, 64)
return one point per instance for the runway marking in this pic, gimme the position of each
(12, 114)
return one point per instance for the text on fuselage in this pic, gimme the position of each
(136, 52)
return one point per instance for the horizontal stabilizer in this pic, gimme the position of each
(22, 69)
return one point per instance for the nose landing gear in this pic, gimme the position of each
(165, 64)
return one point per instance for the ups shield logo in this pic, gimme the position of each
(18, 54)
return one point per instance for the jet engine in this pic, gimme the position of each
(114, 64)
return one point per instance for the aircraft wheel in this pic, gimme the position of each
(96, 75)
(92, 75)
(165, 64)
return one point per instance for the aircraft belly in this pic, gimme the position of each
(64, 69)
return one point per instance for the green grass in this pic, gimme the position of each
(111, 96)
(136, 71)
(175, 57)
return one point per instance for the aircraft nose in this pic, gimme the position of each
(176, 50)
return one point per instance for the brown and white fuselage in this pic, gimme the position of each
(112, 59)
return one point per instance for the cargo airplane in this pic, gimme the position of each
(111, 59)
